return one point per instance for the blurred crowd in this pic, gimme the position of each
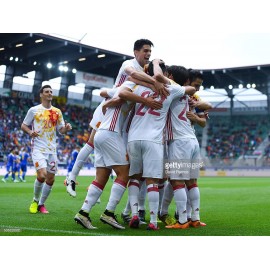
(12, 113)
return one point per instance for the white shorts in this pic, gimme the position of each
(41, 160)
(109, 149)
(146, 157)
(184, 160)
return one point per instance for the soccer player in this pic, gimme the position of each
(110, 153)
(16, 167)
(45, 119)
(73, 157)
(9, 165)
(133, 68)
(145, 141)
(25, 158)
(183, 149)
(197, 115)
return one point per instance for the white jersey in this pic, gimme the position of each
(148, 124)
(178, 125)
(115, 117)
(98, 114)
(45, 122)
(122, 75)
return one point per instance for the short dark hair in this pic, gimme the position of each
(140, 43)
(194, 74)
(180, 74)
(151, 68)
(44, 86)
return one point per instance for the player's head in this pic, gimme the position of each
(150, 68)
(195, 78)
(142, 51)
(46, 92)
(179, 74)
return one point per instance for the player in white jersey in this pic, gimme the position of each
(133, 68)
(145, 142)
(84, 153)
(110, 153)
(197, 115)
(184, 158)
(45, 120)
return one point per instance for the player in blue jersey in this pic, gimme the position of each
(25, 158)
(9, 165)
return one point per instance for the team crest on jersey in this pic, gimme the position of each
(53, 117)
(36, 164)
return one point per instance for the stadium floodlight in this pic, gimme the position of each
(65, 69)
(230, 86)
(35, 62)
(2, 49)
(201, 87)
(16, 59)
(61, 68)
(39, 40)
(213, 72)
(101, 55)
(258, 68)
(19, 45)
(49, 65)
(74, 70)
(82, 59)
(240, 86)
(253, 85)
(10, 58)
(212, 87)
(248, 85)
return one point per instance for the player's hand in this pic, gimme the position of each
(68, 126)
(191, 116)
(161, 89)
(152, 103)
(104, 109)
(34, 134)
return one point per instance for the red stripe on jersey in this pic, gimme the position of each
(114, 118)
(132, 113)
(169, 126)
(122, 79)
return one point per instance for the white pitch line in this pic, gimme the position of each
(57, 231)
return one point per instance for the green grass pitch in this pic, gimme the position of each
(231, 206)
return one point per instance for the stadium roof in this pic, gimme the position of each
(42, 49)
(29, 49)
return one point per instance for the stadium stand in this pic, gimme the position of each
(236, 133)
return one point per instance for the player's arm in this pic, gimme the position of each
(158, 73)
(142, 77)
(114, 102)
(104, 93)
(66, 128)
(203, 105)
(30, 132)
(189, 90)
(126, 94)
(196, 119)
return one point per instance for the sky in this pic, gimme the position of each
(199, 34)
